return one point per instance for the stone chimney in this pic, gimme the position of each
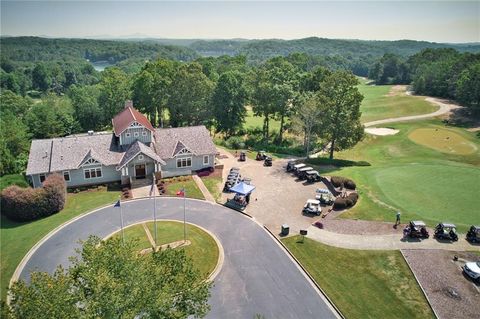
(128, 103)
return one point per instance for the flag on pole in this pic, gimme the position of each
(181, 192)
(117, 204)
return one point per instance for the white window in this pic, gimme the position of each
(184, 162)
(66, 176)
(144, 133)
(140, 157)
(42, 178)
(205, 160)
(127, 134)
(136, 134)
(92, 173)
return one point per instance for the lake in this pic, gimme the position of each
(101, 65)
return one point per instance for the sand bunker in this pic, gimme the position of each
(382, 131)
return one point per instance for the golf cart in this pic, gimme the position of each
(446, 231)
(312, 206)
(268, 161)
(473, 234)
(261, 156)
(302, 172)
(417, 229)
(290, 165)
(233, 178)
(312, 176)
(324, 196)
(297, 167)
(242, 157)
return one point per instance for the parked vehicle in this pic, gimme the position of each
(302, 173)
(325, 198)
(233, 178)
(472, 270)
(297, 167)
(261, 156)
(243, 157)
(313, 176)
(312, 206)
(290, 166)
(446, 231)
(473, 234)
(268, 161)
(416, 229)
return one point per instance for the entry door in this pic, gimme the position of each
(140, 171)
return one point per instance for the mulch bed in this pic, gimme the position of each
(360, 227)
(451, 293)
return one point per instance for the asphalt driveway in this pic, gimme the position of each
(257, 276)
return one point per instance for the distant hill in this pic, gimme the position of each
(259, 50)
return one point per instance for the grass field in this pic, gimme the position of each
(214, 185)
(13, 179)
(173, 185)
(420, 181)
(252, 121)
(17, 238)
(363, 284)
(203, 249)
(443, 140)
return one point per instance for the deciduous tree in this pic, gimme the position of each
(114, 91)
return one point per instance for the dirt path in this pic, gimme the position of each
(385, 242)
(445, 107)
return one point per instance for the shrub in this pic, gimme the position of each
(339, 181)
(24, 204)
(336, 162)
(347, 202)
(235, 142)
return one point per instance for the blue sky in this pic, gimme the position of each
(439, 21)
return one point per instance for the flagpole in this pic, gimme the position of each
(154, 213)
(121, 221)
(184, 225)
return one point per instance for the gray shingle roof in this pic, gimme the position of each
(39, 157)
(69, 152)
(134, 150)
(195, 138)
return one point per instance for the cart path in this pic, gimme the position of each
(257, 275)
(206, 193)
(385, 242)
(445, 106)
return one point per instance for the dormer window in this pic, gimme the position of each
(127, 134)
(136, 134)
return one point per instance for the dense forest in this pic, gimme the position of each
(50, 89)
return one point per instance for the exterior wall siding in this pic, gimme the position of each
(131, 139)
(170, 169)
(77, 177)
(149, 165)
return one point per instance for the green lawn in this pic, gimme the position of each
(17, 238)
(252, 121)
(420, 181)
(363, 284)
(173, 185)
(214, 185)
(13, 179)
(377, 105)
(203, 249)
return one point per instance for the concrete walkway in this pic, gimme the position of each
(385, 242)
(203, 188)
(141, 188)
(445, 107)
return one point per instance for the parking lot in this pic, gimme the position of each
(279, 196)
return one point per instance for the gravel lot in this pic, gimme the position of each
(451, 293)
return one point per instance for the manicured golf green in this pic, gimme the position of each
(203, 249)
(421, 182)
(443, 140)
(363, 283)
(379, 104)
(17, 238)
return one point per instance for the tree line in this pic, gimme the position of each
(445, 73)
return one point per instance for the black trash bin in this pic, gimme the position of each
(285, 229)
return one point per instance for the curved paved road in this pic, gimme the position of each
(257, 276)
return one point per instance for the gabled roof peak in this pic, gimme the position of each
(127, 116)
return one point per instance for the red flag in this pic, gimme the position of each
(181, 193)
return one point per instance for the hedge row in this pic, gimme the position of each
(336, 162)
(339, 181)
(347, 202)
(24, 204)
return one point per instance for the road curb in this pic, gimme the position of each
(419, 284)
(339, 313)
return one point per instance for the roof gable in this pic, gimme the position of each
(90, 159)
(135, 149)
(181, 149)
(127, 117)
